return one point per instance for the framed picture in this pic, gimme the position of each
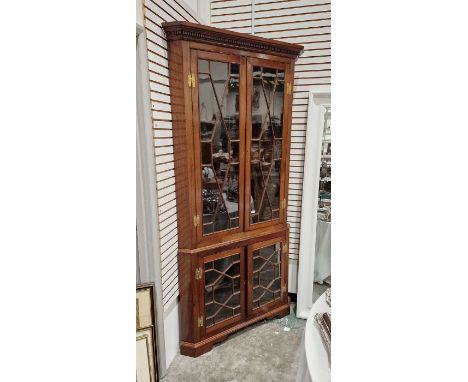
(144, 306)
(146, 349)
(145, 356)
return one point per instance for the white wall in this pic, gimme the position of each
(171, 331)
(139, 13)
(201, 9)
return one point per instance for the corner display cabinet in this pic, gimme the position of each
(231, 99)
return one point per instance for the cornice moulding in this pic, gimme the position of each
(181, 30)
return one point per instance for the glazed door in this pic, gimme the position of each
(218, 104)
(222, 294)
(267, 281)
(267, 130)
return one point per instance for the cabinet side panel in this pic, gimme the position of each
(181, 152)
(179, 69)
(287, 138)
(186, 317)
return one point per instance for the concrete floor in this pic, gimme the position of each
(319, 289)
(260, 353)
(264, 352)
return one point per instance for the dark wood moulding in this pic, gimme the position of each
(183, 30)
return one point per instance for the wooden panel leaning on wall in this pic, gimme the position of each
(231, 170)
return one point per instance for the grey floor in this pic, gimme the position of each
(260, 353)
(319, 289)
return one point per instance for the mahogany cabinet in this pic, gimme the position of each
(231, 100)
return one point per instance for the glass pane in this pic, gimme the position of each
(203, 66)
(266, 275)
(266, 143)
(220, 139)
(222, 289)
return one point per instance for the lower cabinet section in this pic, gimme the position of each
(231, 289)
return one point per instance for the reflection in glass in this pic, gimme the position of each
(324, 204)
(266, 275)
(222, 289)
(220, 139)
(266, 143)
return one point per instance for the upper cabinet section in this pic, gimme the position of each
(182, 30)
(231, 97)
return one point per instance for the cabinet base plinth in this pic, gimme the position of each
(195, 349)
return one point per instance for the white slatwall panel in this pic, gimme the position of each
(306, 22)
(237, 14)
(156, 12)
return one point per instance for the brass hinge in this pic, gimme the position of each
(196, 220)
(200, 321)
(283, 204)
(285, 248)
(283, 289)
(289, 88)
(198, 273)
(191, 80)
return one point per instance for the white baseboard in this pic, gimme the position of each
(171, 332)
